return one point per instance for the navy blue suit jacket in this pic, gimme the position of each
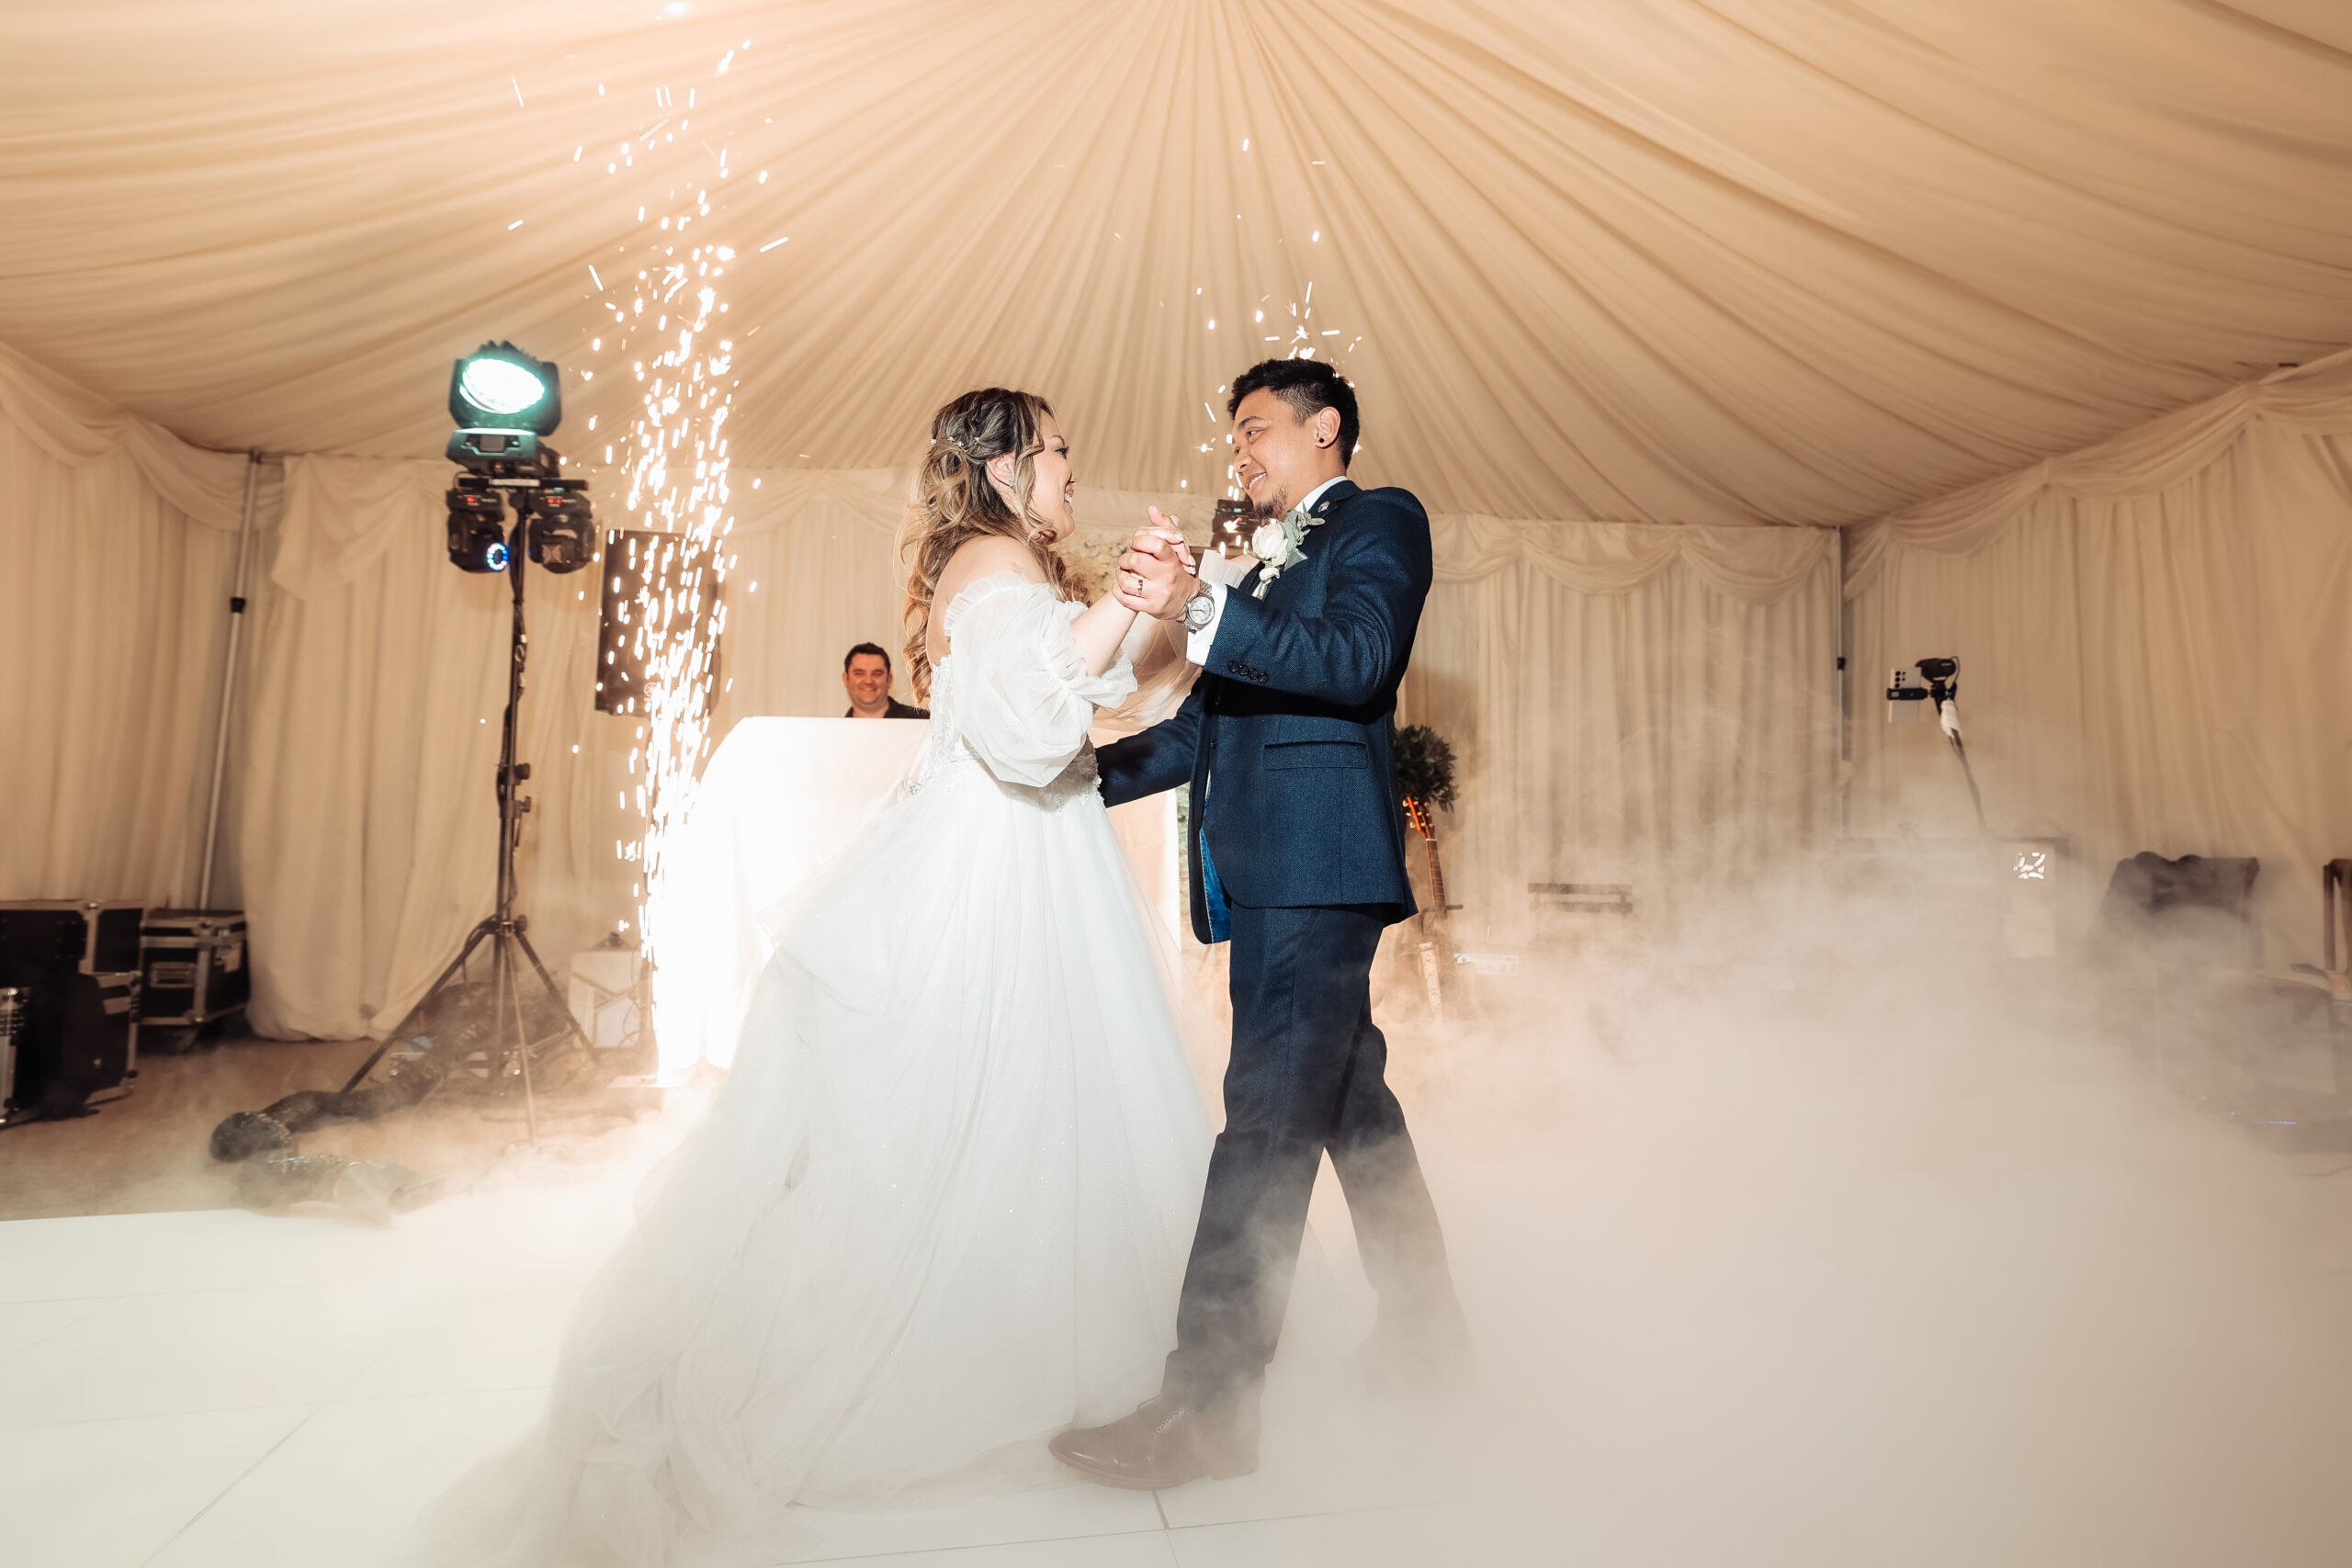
(1294, 712)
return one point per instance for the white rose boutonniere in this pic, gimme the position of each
(1276, 545)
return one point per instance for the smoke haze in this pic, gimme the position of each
(1825, 1234)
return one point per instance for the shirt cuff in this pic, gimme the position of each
(1216, 568)
(1197, 644)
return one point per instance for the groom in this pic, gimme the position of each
(1297, 857)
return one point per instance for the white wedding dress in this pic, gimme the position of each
(940, 1207)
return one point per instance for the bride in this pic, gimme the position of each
(940, 1207)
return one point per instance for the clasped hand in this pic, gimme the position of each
(1157, 575)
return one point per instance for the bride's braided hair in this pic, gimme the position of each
(955, 502)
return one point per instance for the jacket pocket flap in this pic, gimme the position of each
(1317, 754)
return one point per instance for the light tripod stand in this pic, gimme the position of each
(508, 1047)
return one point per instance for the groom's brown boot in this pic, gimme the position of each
(1163, 1444)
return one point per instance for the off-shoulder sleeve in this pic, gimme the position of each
(1023, 700)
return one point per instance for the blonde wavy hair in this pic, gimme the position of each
(956, 503)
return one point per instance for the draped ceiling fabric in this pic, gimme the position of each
(1673, 260)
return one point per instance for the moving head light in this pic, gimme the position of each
(562, 527)
(476, 526)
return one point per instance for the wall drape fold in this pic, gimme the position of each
(1755, 566)
(1664, 735)
(117, 543)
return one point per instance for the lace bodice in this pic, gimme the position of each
(1012, 701)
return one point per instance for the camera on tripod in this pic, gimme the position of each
(505, 404)
(1942, 678)
(1940, 693)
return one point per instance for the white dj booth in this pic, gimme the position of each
(780, 798)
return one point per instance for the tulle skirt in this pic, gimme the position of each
(938, 1210)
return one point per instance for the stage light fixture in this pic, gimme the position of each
(476, 526)
(499, 387)
(561, 526)
(505, 404)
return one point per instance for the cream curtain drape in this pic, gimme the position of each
(815, 573)
(117, 542)
(1646, 707)
(1631, 703)
(2155, 640)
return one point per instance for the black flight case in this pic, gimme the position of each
(193, 973)
(72, 968)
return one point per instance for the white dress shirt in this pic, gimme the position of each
(1197, 644)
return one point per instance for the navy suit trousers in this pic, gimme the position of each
(1307, 1075)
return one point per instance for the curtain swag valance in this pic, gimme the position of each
(340, 513)
(2314, 398)
(1755, 566)
(338, 509)
(78, 428)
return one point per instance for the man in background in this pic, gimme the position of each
(866, 674)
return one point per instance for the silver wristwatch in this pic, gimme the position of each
(1200, 609)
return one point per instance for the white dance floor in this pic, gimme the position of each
(219, 1388)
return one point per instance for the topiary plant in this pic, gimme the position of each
(1424, 767)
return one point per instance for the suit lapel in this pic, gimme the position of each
(1341, 492)
(1326, 506)
(1325, 511)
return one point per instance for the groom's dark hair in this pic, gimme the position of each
(1309, 387)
